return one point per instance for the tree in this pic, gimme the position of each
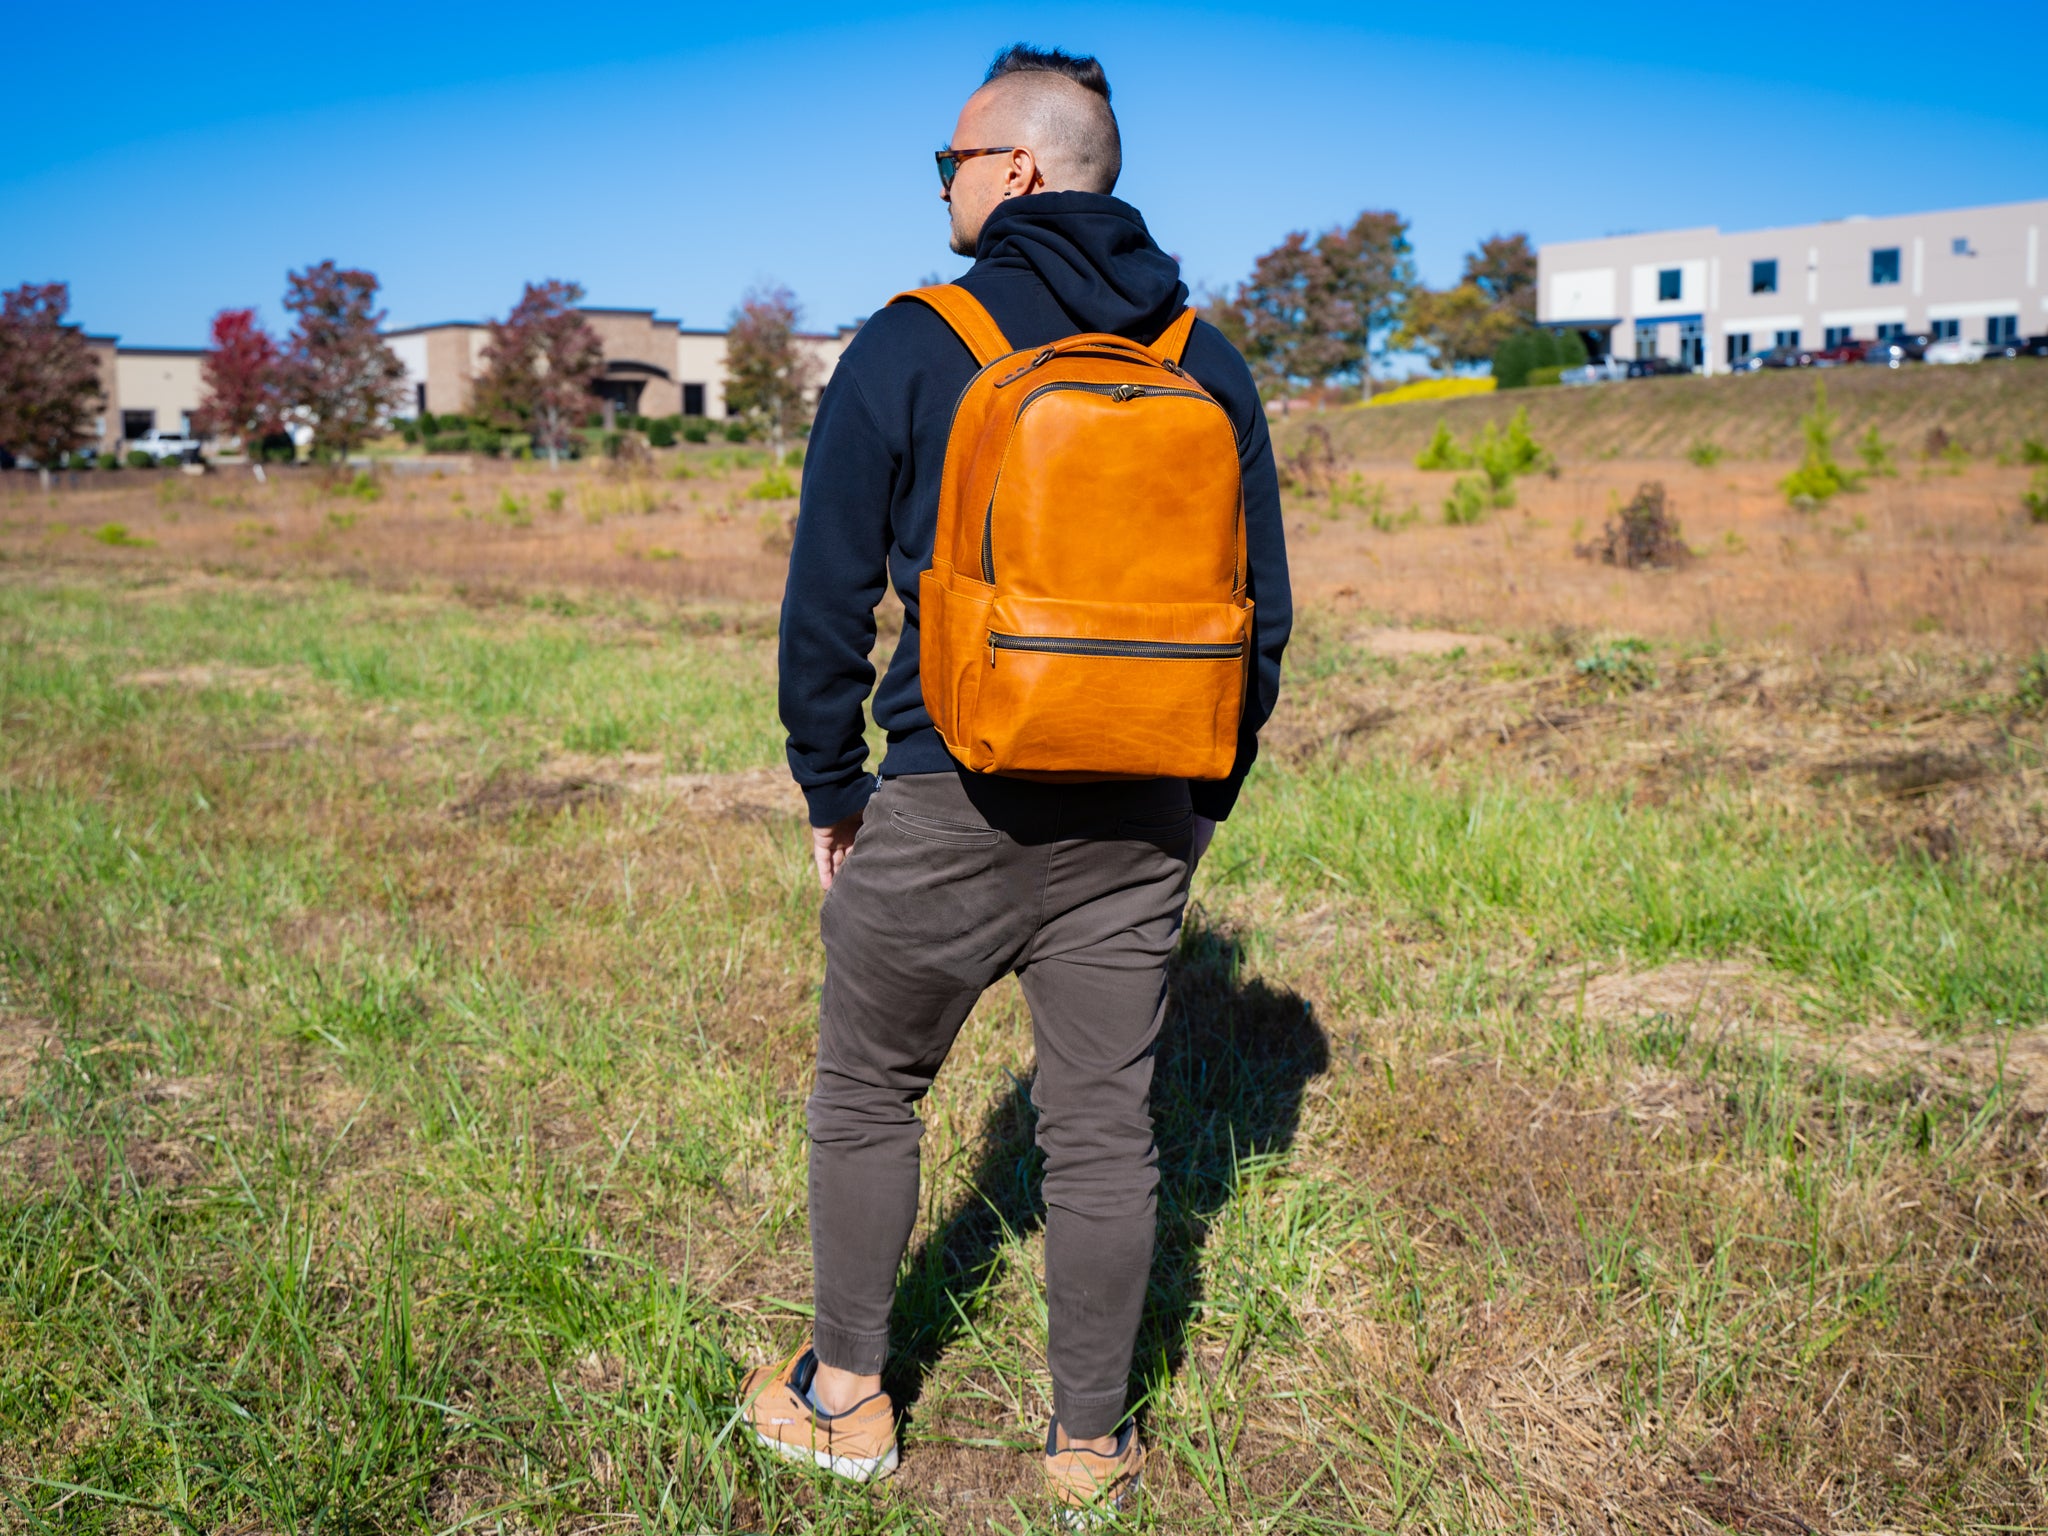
(1504, 269)
(1456, 325)
(769, 374)
(244, 393)
(49, 382)
(539, 364)
(1317, 310)
(337, 369)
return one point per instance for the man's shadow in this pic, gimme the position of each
(1234, 1059)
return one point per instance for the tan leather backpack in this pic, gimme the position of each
(1085, 614)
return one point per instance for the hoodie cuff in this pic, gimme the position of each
(833, 803)
(1214, 798)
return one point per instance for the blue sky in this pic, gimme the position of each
(168, 164)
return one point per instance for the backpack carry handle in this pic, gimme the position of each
(976, 327)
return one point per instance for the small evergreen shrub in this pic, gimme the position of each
(1442, 451)
(736, 431)
(1818, 477)
(661, 433)
(137, 459)
(2035, 497)
(1875, 453)
(1467, 502)
(1703, 452)
(696, 430)
(1524, 351)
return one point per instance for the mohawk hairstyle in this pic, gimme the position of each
(1084, 69)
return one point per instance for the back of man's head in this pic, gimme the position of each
(1057, 104)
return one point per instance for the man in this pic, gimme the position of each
(938, 882)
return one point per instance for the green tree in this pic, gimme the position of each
(1455, 325)
(1504, 269)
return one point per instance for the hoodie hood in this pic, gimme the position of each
(1093, 253)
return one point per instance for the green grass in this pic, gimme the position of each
(366, 1168)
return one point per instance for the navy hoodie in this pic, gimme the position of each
(1047, 266)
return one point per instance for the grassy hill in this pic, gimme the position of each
(1990, 408)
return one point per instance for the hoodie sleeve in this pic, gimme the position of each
(1224, 373)
(838, 571)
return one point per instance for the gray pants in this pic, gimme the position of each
(955, 881)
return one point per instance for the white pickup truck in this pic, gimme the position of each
(161, 445)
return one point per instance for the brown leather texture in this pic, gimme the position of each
(1085, 614)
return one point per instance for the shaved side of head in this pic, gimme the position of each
(1056, 105)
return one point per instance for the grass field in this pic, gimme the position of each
(1604, 1089)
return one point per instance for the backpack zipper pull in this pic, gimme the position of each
(1126, 392)
(991, 647)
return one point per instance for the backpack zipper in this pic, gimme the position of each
(1133, 650)
(1118, 392)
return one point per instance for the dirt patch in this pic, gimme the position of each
(506, 795)
(207, 675)
(23, 1040)
(1732, 1001)
(747, 794)
(1424, 642)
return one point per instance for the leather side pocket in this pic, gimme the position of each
(952, 648)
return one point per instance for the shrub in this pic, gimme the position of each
(773, 486)
(1433, 389)
(1876, 453)
(1552, 374)
(794, 458)
(448, 442)
(363, 487)
(1525, 350)
(661, 433)
(1443, 451)
(556, 498)
(1466, 504)
(696, 430)
(1704, 453)
(736, 431)
(2035, 497)
(137, 459)
(275, 448)
(1640, 536)
(1818, 476)
(2034, 451)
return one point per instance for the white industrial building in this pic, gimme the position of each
(1706, 298)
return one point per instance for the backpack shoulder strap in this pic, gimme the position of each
(1173, 341)
(964, 313)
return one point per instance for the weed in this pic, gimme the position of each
(363, 486)
(1442, 451)
(1621, 665)
(2034, 451)
(2034, 499)
(343, 520)
(1468, 501)
(557, 498)
(513, 510)
(117, 536)
(1876, 454)
(1704, 452)
(2031, 693)
(772, 486)
(1311, 467)
(793, 459)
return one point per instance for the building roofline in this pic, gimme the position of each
(438, 325)
(1777, 229)
(162, 351)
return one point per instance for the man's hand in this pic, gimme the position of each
(830, 845)
(1205, 829)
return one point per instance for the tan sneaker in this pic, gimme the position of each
(859, 1444)
(1089, 1488)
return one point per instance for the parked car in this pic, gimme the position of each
(1954, 349)
(2019, 346)
(1896, 351)
(1773, 357)
(160, 445)
(1605, 371)
(1842, 353)
(1655, 367)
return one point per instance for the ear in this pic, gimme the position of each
(1021, 176)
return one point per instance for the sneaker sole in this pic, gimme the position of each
(855, 1469)
(1093, 1516)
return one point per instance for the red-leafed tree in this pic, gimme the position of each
(769, 373)
(49, 382)
(244, 395)
(539, 364)
(336, 368)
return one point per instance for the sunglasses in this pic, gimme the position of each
(949, 161)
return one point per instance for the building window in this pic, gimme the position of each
(693, 399)
(1646, 340)
(1738, 347)
(136, 424)
(419, 399)
(1670, 283)
(1786, 339)
(1945, 330)
(1763, 277)
(1838, 335)
(1960, 246)
(2000, 329)
(1891, 330)
(1692, 343)
(1884, 266)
